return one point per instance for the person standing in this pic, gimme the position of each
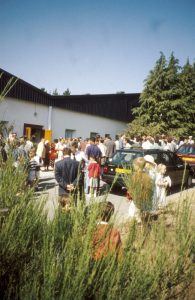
(94, 175)
(162, 183)
(190, 140)
(33, 168)
(94, 150)
(110, 147)
(103, 157)
(79, 156)
(91, 150)
(117, 143)
(41, 151)
(47, 155)
(59, 148)
(66, 174)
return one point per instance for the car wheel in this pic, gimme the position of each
(189, 181)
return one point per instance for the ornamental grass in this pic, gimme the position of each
(141, 188)
(41, 259)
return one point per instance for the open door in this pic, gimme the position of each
(47, 134)
(33, 131)
(28, 132)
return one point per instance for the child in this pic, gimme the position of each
(94, 174)
(106, 239)
(162, 183)
(33, 168)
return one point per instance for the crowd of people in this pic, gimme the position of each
(91, 153)
(78, 165)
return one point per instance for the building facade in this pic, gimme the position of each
(34, 112)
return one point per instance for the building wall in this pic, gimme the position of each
(18, 112)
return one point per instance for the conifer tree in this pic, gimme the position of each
(187, 91)
(167, 103)
(172, 104)
(150, 110)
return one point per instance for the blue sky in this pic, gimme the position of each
(93, 46)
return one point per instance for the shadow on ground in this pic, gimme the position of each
(46, 186)
(119, 191)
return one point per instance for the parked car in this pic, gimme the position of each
(122, 160)
(187, 153)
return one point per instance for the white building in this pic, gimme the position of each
(32, 111)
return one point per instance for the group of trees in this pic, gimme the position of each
(55, 92)
(167, 102)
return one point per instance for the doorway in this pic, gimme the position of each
(34, 132)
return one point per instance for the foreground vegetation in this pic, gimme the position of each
(53, 260)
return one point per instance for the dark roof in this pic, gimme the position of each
(112, 106)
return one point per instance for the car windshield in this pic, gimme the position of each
(187, 149)
(124, 158)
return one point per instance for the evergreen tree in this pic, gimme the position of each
(171, 100)
(66, 92)
(151, 107)
(187, 91)
(43, 90)
(167, 103)
(55, 92)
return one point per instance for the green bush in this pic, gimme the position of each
(52, 260)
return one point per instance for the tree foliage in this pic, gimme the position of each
(44, 90)
(66, 92)
(167, 102)
(55, 92)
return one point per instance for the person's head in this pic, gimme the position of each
(92, 157)
(67, 151)
(21, 140)
(169, 139)
(162, 169)
(97, 140)
(139, 164)
(33, 138)
(150, 163)
(106, 210)
(32, 153)
(14, 135)
(156, 140)
(92, 140)
(74, 145)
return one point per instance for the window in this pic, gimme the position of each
(5, 128)
(69, 133)
(93, 134)
(167, 159)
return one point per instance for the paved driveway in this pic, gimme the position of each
(48, 188)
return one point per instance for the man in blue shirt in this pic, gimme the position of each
(93, 150)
